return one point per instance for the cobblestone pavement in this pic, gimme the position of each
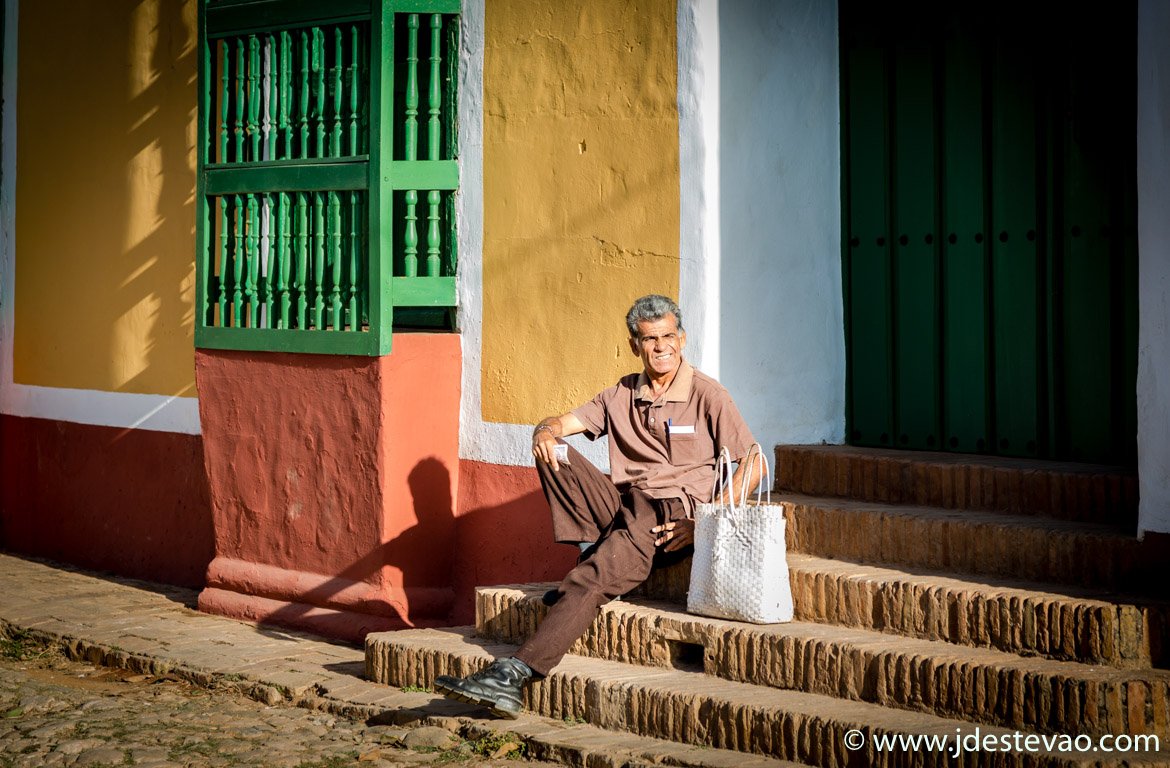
(57, 712)
(178, 687)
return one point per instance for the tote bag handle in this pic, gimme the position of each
(765, 475)
(722, 481)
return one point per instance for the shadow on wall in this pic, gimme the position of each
(106, 142)
(415, 566)
(442, 558)
(504, 537)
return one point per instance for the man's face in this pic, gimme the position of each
(660, 344)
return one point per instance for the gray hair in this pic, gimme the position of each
(652, 307)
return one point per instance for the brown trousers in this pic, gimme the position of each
(586, 506)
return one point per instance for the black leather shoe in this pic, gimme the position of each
(497, 687)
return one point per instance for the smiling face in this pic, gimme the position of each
(660, 345)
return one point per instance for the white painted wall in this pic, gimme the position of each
(782, 341)
(698, 179)
(1153, 160)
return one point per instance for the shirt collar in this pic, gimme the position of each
(679, 390)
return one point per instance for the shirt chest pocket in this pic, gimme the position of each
(689, 449)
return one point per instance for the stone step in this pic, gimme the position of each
(961, 481)
(977, 684)
(988, 543)
(1010, 615)
(697, 709)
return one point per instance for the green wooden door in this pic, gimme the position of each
(990, 219)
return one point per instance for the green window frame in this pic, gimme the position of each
(327, 173)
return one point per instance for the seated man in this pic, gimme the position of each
(666, 426)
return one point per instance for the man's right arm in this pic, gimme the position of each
(544, 436)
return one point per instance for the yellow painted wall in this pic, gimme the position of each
(105, 185)
(581, 194)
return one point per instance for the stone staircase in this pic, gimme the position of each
(935, 595)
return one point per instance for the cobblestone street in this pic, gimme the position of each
(58, 712)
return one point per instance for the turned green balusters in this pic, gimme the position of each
(319, 85)
(410, 147)
(224, 258)
(286, 92)
(338, 92)
(272, 91)
(410, 236)
(225, 101)
(410, 140)
(335, 304)
(253, 127)
(355, 91)
(435, 95)
(289, 246)
(251, 259)
(283, 260)
(363, 224)
(319, 260)
(304, 103)
(434, 104)
(268, 240)
(302, 277)
(240, 99)
(238, 262)
(355, 320)
(433, 266)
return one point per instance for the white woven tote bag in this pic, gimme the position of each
(740, 567)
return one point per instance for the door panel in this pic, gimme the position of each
(989, 195)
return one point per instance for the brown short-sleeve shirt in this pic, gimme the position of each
(667, 447)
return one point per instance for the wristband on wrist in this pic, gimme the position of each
(539, 427)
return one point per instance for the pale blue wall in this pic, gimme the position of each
(782, 342)
(1153, 382)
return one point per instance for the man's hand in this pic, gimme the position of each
(544, 443)
(544, 437)
(674, 535)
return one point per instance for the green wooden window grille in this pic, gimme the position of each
(327, 172)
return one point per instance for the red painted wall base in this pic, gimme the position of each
(125, 501)
(503, 534)
(332, 482)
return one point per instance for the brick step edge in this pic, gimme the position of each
(699, 710)
(1011, 616)
(988, 543)
(966, 683)
(546, 739)
(960, 481)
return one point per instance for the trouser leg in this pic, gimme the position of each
(581, 499)
(622, 561)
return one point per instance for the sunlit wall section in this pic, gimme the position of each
(581, 194)
(105, 188)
